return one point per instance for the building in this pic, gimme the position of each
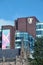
(23, 26)
(27, 24)
(28, 40)
(8, 37)
(19, 40)
(12, 56)
(39, 29)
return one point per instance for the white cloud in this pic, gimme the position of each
(6, 22)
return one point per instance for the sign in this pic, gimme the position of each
(30, 20)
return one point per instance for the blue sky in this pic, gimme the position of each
(12, 9)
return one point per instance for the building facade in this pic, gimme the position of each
(19, 36)
(39, 29)
(8, 37)
(28, 40)
(27, 28)
(27, 24)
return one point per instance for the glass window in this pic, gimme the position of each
(38, 26)
(38, 32)
(18, 44)
(25, 37)
(42, 32)
(41, 26)
(18, 38)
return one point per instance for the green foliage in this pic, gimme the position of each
(38, 52)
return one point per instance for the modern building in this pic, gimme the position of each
(8, 37)
(27, 24)
(39, 29)
(26, 28)
(27, 39)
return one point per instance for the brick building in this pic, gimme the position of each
(27, 24)
(8, 36)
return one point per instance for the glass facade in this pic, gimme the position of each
(27, 40)
(39, 29)
(18, 39)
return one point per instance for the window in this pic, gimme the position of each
(18, 38)
(38, 32)
(41, 26)
(38, 26)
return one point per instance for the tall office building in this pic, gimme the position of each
(27, 24)
(8, 37)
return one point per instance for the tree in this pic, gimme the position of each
(38, 52)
